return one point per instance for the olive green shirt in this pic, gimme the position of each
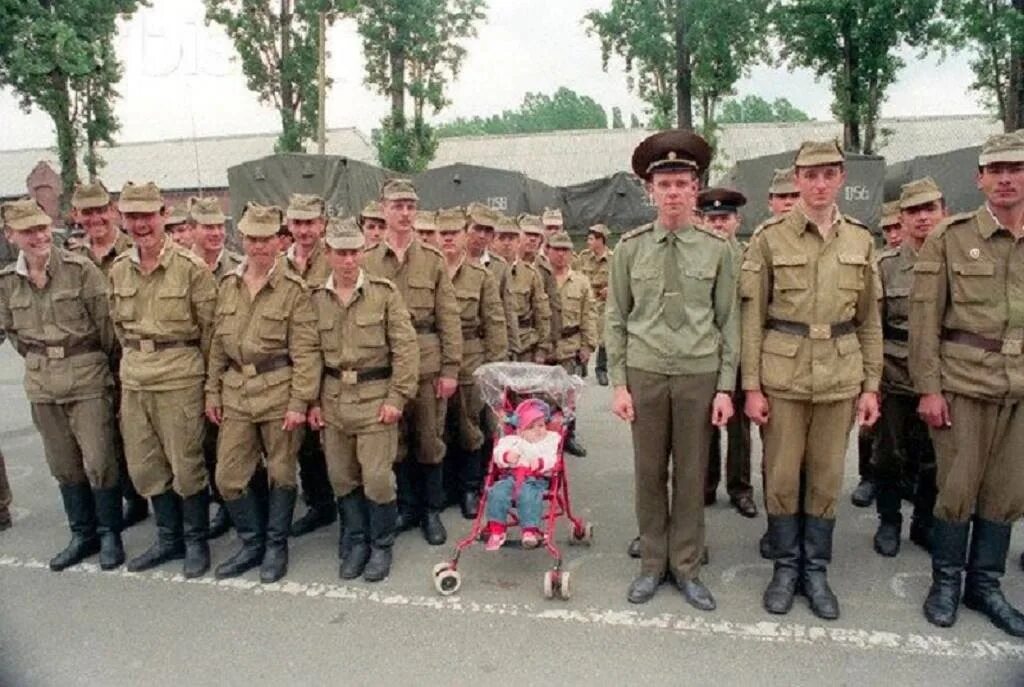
(579, 317)
(499, 268)
(532, 308)
(636, 332)
(484, 337)
(315, 270)
(896, 270)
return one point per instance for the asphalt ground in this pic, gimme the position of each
(87, 627)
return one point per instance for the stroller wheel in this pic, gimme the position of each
(583, 536)
(441, 567)
(550, 584)
(447, 582)
(564, 586)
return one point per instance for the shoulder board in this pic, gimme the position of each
(855, 222)
(381, 281)
(73, 257)
(227, 275)
(709, 232)
(192, 257)
(473, 265)
(121, 256)
(771, 221)
(291, 276)
(528, 266)
(636, 232)
(887, 253)
(952, 221)
(432, 249)
(498, 258)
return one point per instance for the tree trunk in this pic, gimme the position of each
(1015, 93)
(67, 149)
(397, 56)
(850, 106)
(289, 142)
(684, 75)
(871, 117)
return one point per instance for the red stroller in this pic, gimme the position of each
(503, 386)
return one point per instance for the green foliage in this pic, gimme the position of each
(566, 109)
(753, 108)
(634, 121)
(409, 149)
(57, 55)
(617, 122)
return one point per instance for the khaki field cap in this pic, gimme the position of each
(140, 198)
(90, 195)
(506, 225)
(890, 213)
(1002, 148)
(260, 221)
(552, 217)
(599, 229)
(343, 234)
(175, 215)
(560, 239)
(482, 215)
(205, 210)
(671, 150)
(819, 153)
(20, 215)
(398, 189)
(373, 210)
(425, 220)
(919, 192)
(305, 206)
(451, 219)
(783, 182)
(530, 224)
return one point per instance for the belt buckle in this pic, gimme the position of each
(147, 345)
(1012, 346)
(249, 370)
(349, 376)
(55, 352)
(819, 331)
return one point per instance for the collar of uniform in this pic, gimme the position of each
(21, 266)
(800, 212)
(414, 245)
(239, 271)
(290, 253)
(909, 256)
(458, 268)
(165, 255)
(988, 224)
(329, 284)
(661, 234)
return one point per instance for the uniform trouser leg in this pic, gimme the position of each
(713, 476)
(137, 508)
(316, 487)
(671, 420)
(890, 459)
(240, 449)
(865, 453)
(78, 440)
(738, 454)
(466, 406)
(362, 460)
(5, 494)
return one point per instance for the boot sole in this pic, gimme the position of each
(136, 567)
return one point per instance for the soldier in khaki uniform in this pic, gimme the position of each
(484, 340)
(966, 361)
(263, 374)
(595, 262)
(672, 337)
(891, 224)
(178, 227)
(372, 224)
(530, 252)
(53, 308)
(425, 225)
(485, 226)
(371, 362)
(782, 192)
(903, 450)
(162, 304)
(418, 270)
(92, 209)
(811, 363)
(307, 220)
(530, 300)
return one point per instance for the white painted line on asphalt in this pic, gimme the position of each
(682, 625)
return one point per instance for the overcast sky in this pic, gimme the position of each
(180, 78)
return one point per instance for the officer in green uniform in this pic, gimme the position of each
(595, 262)
(673, 337)
(967, 362)
(720, 208)
(811, 362)
(53, 308)
(904, 451)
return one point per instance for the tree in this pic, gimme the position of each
(634, 121)
(538, 112)
(994, 32)
(57, 55)
(617, 122)
(679, 50)
(753, 108)
(277, 42)
(853, 43)
(412, 48)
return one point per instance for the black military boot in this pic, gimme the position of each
(245, 513)
(81, 512)
(949, 550)
(601, 366)
(169, 545)
(409, 511)
(433, 487)
(195, 511)
(354, 509)
(220, 521)
(817, 556)
(924, 508)
(573, 447)
(784, 537)
(890, 520)
(472, 470)
(109, 525)
(986, 564)
(344, 543)
(136, 508)
(382, 536)
(764, 546)
(275, 562)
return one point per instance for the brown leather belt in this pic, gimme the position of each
(60, 352)
(892, 334)
(369, 374)
(1004, 346)
(812, 331)
(570, 331)
(150, 346)
(472, 333)
(264, 366)
(425, 328)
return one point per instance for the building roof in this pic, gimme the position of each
(173, 164)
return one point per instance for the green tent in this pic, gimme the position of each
(460, 184)
(955, 172)
(618, 201)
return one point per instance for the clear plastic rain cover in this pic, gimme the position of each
(528, 380)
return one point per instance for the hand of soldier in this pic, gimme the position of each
(315, 417)
(721, 409)
(540, 358)
(388, 414)
(934, 410)
(293, 420)
(602, 293)
(446, 387)
(584, 355)
(622, 404)
(214, 414)
(867, 409)
(757, 408)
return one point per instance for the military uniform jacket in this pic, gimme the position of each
(164, 319)
(427, 291)
(122, 243)
(498, 267)
(968, 278)
(790, 273)
(637, 333)
(372, 332)
(895, 267)
(547, 276)
(316, 270)
(532, 309)
(596, 270)
(484, 338)
(226, 263)
(579, 317)
(265, 356)
(63, 330)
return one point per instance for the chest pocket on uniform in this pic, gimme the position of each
(369, 332)
(851, 271)
(21, 310)
(789, 272)
(698, 283)
(420, 294)
(896, 298)
(172, 303)
(124, 302)
(274, 327)
(325, 327)
(973, 282)
(469, 304)
(225, 315)
(68, 311)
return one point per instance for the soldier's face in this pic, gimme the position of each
(530, 244)
(893, 235)
(919, 221)
(819, 186)
(506, 245)
(1003, 184)
(306, 232)
(559, 257)
(595, 242)
(399, 214)
(345, 263)
(209, 237)
(96, 222)
(724, 223)
(451, 242)
(147, 229)
(429, 236)
(260, 248)
(181, 234)
(781, 203)
(674, 193)
(373, 229)
(550, 229)
(478, 239)
(34, 242)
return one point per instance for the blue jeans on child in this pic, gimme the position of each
(529, 505)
